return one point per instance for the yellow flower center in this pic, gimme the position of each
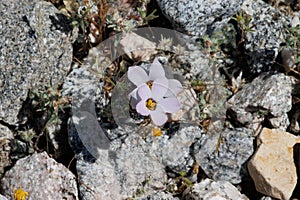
(151, 104)
(20, 194)
(156, 132)
(150, 83)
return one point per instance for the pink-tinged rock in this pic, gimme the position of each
(189, 111)
(272, 166)
(137, 47)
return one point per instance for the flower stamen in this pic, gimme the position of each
(151, 104)
(150, 83)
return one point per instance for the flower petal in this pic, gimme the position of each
(142, 109)
(144, 91)
(169, 105)
(159, 89)
(158, 116)
(156, 70)
(174, 88)
(137, 75)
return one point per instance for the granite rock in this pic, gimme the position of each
(267, 96)
(159, 196)
(81, 84)
(35, 52)
(40, 176)
(134, 157)
(281, 122)
(199, 16)
(174, 152)
(272, 166)
(213, 190)
(137, 164)
(124, 167)
(222, 154)
(5, 136)
(263, 45)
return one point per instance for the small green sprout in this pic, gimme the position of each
(244, 22)
(293, 41)
(146, 18)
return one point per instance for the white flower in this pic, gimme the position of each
(138, 77)
(154, 95)
(154, 103)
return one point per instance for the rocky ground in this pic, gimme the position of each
(67, 130)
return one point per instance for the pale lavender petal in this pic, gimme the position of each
(137, 75)
(158, 91)
(169, 105)
(163, 81)
(156, 70)
(142, 109)
(144, 91)
(174, 88)
(158, 116)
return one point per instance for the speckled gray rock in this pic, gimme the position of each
(97, 177)
(136, 163)
(5, 136)
(81, 84)
(132, 160)
(266, 96)
(124, 167)
(199, 16)
(159, 196)
(222, 155)
(35, 51)
(262, 45)
(174, 152)
(41, 177)
(281, 122)
(213, 190)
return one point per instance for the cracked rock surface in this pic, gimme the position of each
(35, 52)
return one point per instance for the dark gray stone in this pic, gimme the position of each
(263, 45)
(174, 152)
(221, 155)
(268, 96)
(159, 196)
(134, 157)
(119, 171)
(35, 52)
(199, 16)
